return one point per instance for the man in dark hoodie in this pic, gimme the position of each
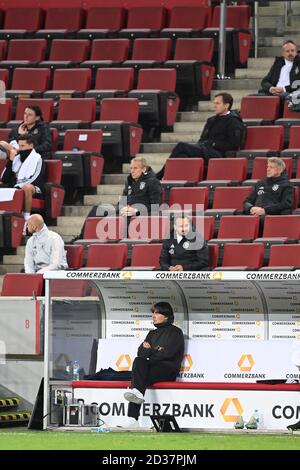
(274, 195)
(158, 360)
(284, 75)
(185, 250)
(223, 132)
(142, 195)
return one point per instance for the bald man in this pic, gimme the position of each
(45, 249)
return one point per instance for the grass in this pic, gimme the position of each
(19, 439)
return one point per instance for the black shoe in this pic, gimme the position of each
(294, 427)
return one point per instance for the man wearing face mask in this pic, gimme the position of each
(24, 170)
(45, 249)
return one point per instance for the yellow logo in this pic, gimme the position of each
(246, 363)
(124, 362)
(217, 276)
(127, 275)
(187, 363)
(231, 418)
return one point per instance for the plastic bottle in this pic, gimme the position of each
(76, 370)
(259, 419)
(69, 369)
(101, 429)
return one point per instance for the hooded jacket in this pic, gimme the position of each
(167, 346)
(224, 133)
(146, 191)
(271, 79)
(41, 135)
(275, 195)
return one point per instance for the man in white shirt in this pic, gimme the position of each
(284, 75)
(45, 249)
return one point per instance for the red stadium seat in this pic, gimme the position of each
(228, 200)
(112, 256)
(259, 170)
(192, 61)
(21, 22)
(29, 82)
(290, 118)
(102, 22)
(293, 149)
(284, 257)
(144, 21)
(74, 256)
(257, 110)
(157, 101)
(25, 285)
(149, 52)
(177, 172)
(186, 21)
(262, 141)
(188, 199)
(69, 83)
(107, 53)
(5, 111)
(105, 228)
(280, 229)
(61, 22)
(112, 82)
(204, 225)
(11, 219)
(145, 256)
(237, 228)
(225, 171)
(74, 113)
(3, 48)
(46, 106)
(149, 228)
(24, 52)
(242, 256)
(66, 53)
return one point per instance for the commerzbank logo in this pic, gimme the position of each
(231, 410)
(187, 363)
(124, 362)
(246, 363)
(127, 275)
(217, 276)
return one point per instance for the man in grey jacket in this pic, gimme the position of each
(45, 249)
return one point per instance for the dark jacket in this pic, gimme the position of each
(171, 340)
(275, 195)
(224, 133)
(174, 253)
(42, 137)
(146, 190)
(271, 79)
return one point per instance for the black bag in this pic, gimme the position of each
(109, 375)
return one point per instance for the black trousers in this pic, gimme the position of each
(144, 373)
(185, 149)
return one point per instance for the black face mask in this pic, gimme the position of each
(28, 234)
(24, 154)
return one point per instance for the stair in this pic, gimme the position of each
(10, 415)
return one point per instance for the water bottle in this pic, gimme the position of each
(101, 429)
(259, 419)
(76, 369)
(69, 370)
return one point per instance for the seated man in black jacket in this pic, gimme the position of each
(223, 132)
(274, 195)
(185, 250)
(158, 360)
(284, 75)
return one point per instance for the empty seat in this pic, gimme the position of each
(145, 256)
(238, 37)
(74, 113)
(112, 82)
(102, 22)
(67, 52)
(61, 22)
(280, 229)
(149, 228)
(186, 21)
(257, 110)
(225, 171)
(228, 200)
(237, 228)
(24, 52)
(150, 52)
(158, 103)
(5, 111)
(243, 256)
(121, 133)
(105, 228)
(69, 288)
(144, 21)
(284, 257)
(290, 118)
(262, 141)
(81, 157)
(293, 149)
(21, 284)
(74, 256)
(70, 82)
(21, 22)
(188, 199)
(204, 225)
(178, 172)
(195, 72)
(112, 256)
(11, 218)
(3, 48)
(29, 82)
(107, 53)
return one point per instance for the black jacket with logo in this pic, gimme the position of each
(271, 79)
(174, 253)
(167, 346)
(41, 135)
(224, 133)
(146, 190)
(275, 195)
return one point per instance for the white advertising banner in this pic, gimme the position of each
(215, 361)
(200, 409)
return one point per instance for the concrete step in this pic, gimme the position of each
(259, 63)
(276, 8)
(194, 126)
(114, 179)
(191, 116)
(179, 137)
(158, 147)
(236, 84)
(251, 73)
(91, 200)
(74, 222)
(237, 94)
(110, 189)
(126, 167)
(21, 250)
(68, 232)
(11, 268)
(76, 211)
(156, 158)
(13, 259)
(269, 51)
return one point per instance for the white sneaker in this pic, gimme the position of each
(129, 423)
(134, 396)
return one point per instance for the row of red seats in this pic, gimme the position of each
(110, 20)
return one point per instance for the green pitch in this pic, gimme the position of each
(24, 439)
